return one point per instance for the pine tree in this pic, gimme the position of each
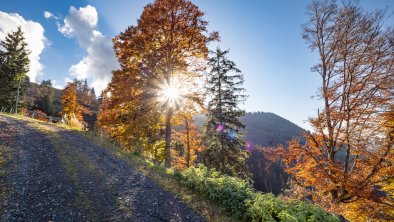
(223, 129)
(14, 64)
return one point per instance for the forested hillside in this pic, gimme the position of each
(43, 97)
(269, 129)
(265, 128)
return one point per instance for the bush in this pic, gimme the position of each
(241, 201)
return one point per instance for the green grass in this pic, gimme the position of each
(5, 169)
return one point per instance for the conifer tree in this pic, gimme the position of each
(14, 64)
(223, 129)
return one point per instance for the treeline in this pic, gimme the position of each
(19, 95)
(43, 97)
(264, 129)
(80, 104)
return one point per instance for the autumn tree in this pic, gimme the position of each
(349, 155)
(189, 140)
(87, 102)
(159, 49)
(14, 65)
(125, 117)
(69, 101)
(223, 129)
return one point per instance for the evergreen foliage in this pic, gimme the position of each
(14, 64)
(223, 128)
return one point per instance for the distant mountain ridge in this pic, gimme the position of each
(265, 128)
(269, 129)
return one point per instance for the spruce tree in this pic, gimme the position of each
(14, 64)
(223, 128)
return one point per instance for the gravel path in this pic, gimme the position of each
(59, 175)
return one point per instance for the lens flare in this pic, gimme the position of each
(172, 93)
(220, 128)
(249, 146)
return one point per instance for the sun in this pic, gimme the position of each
(172, 93)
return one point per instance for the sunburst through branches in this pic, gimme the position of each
(171, 93)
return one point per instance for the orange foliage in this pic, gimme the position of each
(347, 161)
(69, 101)
(190, 142)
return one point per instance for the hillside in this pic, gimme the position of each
(43, 97)
(88, 178)
(265, 129)
(269, 129)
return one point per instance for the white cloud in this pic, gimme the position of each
(67, 80)
(34, 34)
(56, 85)
(49, 15)
(100, 60)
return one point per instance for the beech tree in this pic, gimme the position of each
(349, 156)
(14, 64)
(124, 114)
(223, 129)
(168, 36)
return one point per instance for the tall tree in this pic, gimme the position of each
(14, 64)
(169, 35)
(349, 154)
(223, 128)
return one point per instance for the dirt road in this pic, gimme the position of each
(58, 175)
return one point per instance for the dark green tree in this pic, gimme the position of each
(14, 64)
(223, 129)
(46, 83)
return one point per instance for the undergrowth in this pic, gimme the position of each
(244, 203)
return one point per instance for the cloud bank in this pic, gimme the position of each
(100, 60)
(34, 35)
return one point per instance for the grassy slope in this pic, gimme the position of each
(164, 177)
(6, 156)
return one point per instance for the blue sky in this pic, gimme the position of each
(264, 38)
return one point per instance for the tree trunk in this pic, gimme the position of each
(168, 137)
(17, 97)
(187, 143)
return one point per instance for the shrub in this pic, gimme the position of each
(228, 192)
(241, 201)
